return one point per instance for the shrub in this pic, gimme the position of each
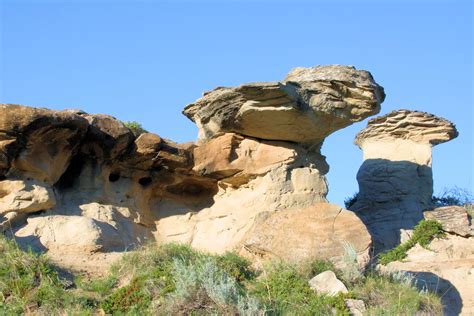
(395, 295)
(135, 127)
(424, 232)
(350, 270)
(349, 201)
(29, 283)
(284, 290)
(454, 196)
(204, 285)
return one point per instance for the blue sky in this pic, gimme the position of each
(145, 60)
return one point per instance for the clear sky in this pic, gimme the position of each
(145, 60)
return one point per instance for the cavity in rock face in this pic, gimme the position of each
(395, 180)
(258, 154)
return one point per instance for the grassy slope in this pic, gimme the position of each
(174, 279)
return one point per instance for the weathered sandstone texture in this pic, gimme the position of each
(78, 184)
(395, 180)
(446, 266)
(306, 107)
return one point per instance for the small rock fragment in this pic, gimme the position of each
(327, 283)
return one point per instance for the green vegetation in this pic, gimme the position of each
(395, 295)
(175, 279)
(424, 232)
(135, 127)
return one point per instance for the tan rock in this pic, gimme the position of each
(44, 140)
(308, 106)
(395, 179)
(319, 231)
(447, 268)
(355, 307)
(454, 219)
(68, 234)
(25, 196)
(237, 159)
(327, 283)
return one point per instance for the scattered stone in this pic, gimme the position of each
(356, 307)
(327, 283)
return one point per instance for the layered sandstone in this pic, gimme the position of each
(77, 184)
(395, 180)
(306, 107)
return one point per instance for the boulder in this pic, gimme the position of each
(320, 231)
(454, 219)
(107, 138)
(395, 179)
(327, 283)
(306, 107)
(355, 307)
(68, 234)
(25, 196)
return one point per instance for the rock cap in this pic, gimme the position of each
(306, 107)
(420, 127)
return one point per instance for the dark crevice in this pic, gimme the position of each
(145, 181)
(71, 174)
(114, 176)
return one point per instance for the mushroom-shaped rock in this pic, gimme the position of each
(395, 180)
(306, 107)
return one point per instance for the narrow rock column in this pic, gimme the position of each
(395, 179)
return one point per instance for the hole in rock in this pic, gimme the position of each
(72, 172)
(145, 181)
(114, 176)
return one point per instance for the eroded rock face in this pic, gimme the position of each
(319, 231)
(446, 268)
(454, 219)
(395, 179)
(306, 107)
(67, 173)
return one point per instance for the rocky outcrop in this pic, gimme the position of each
(290, 234)
(445, 267)
(257, 164)
(395, 180)
(306, 107)
(454, 219)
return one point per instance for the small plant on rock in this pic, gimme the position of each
(424, 232)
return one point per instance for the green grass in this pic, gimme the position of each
(424, 232)
(175, 279)
(389, 295)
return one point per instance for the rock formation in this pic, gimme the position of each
(447, 265)
(395, 180)
(81, 184)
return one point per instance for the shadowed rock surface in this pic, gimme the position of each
(395, 179)
(67, 173)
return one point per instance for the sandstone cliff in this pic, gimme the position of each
(84, 184)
